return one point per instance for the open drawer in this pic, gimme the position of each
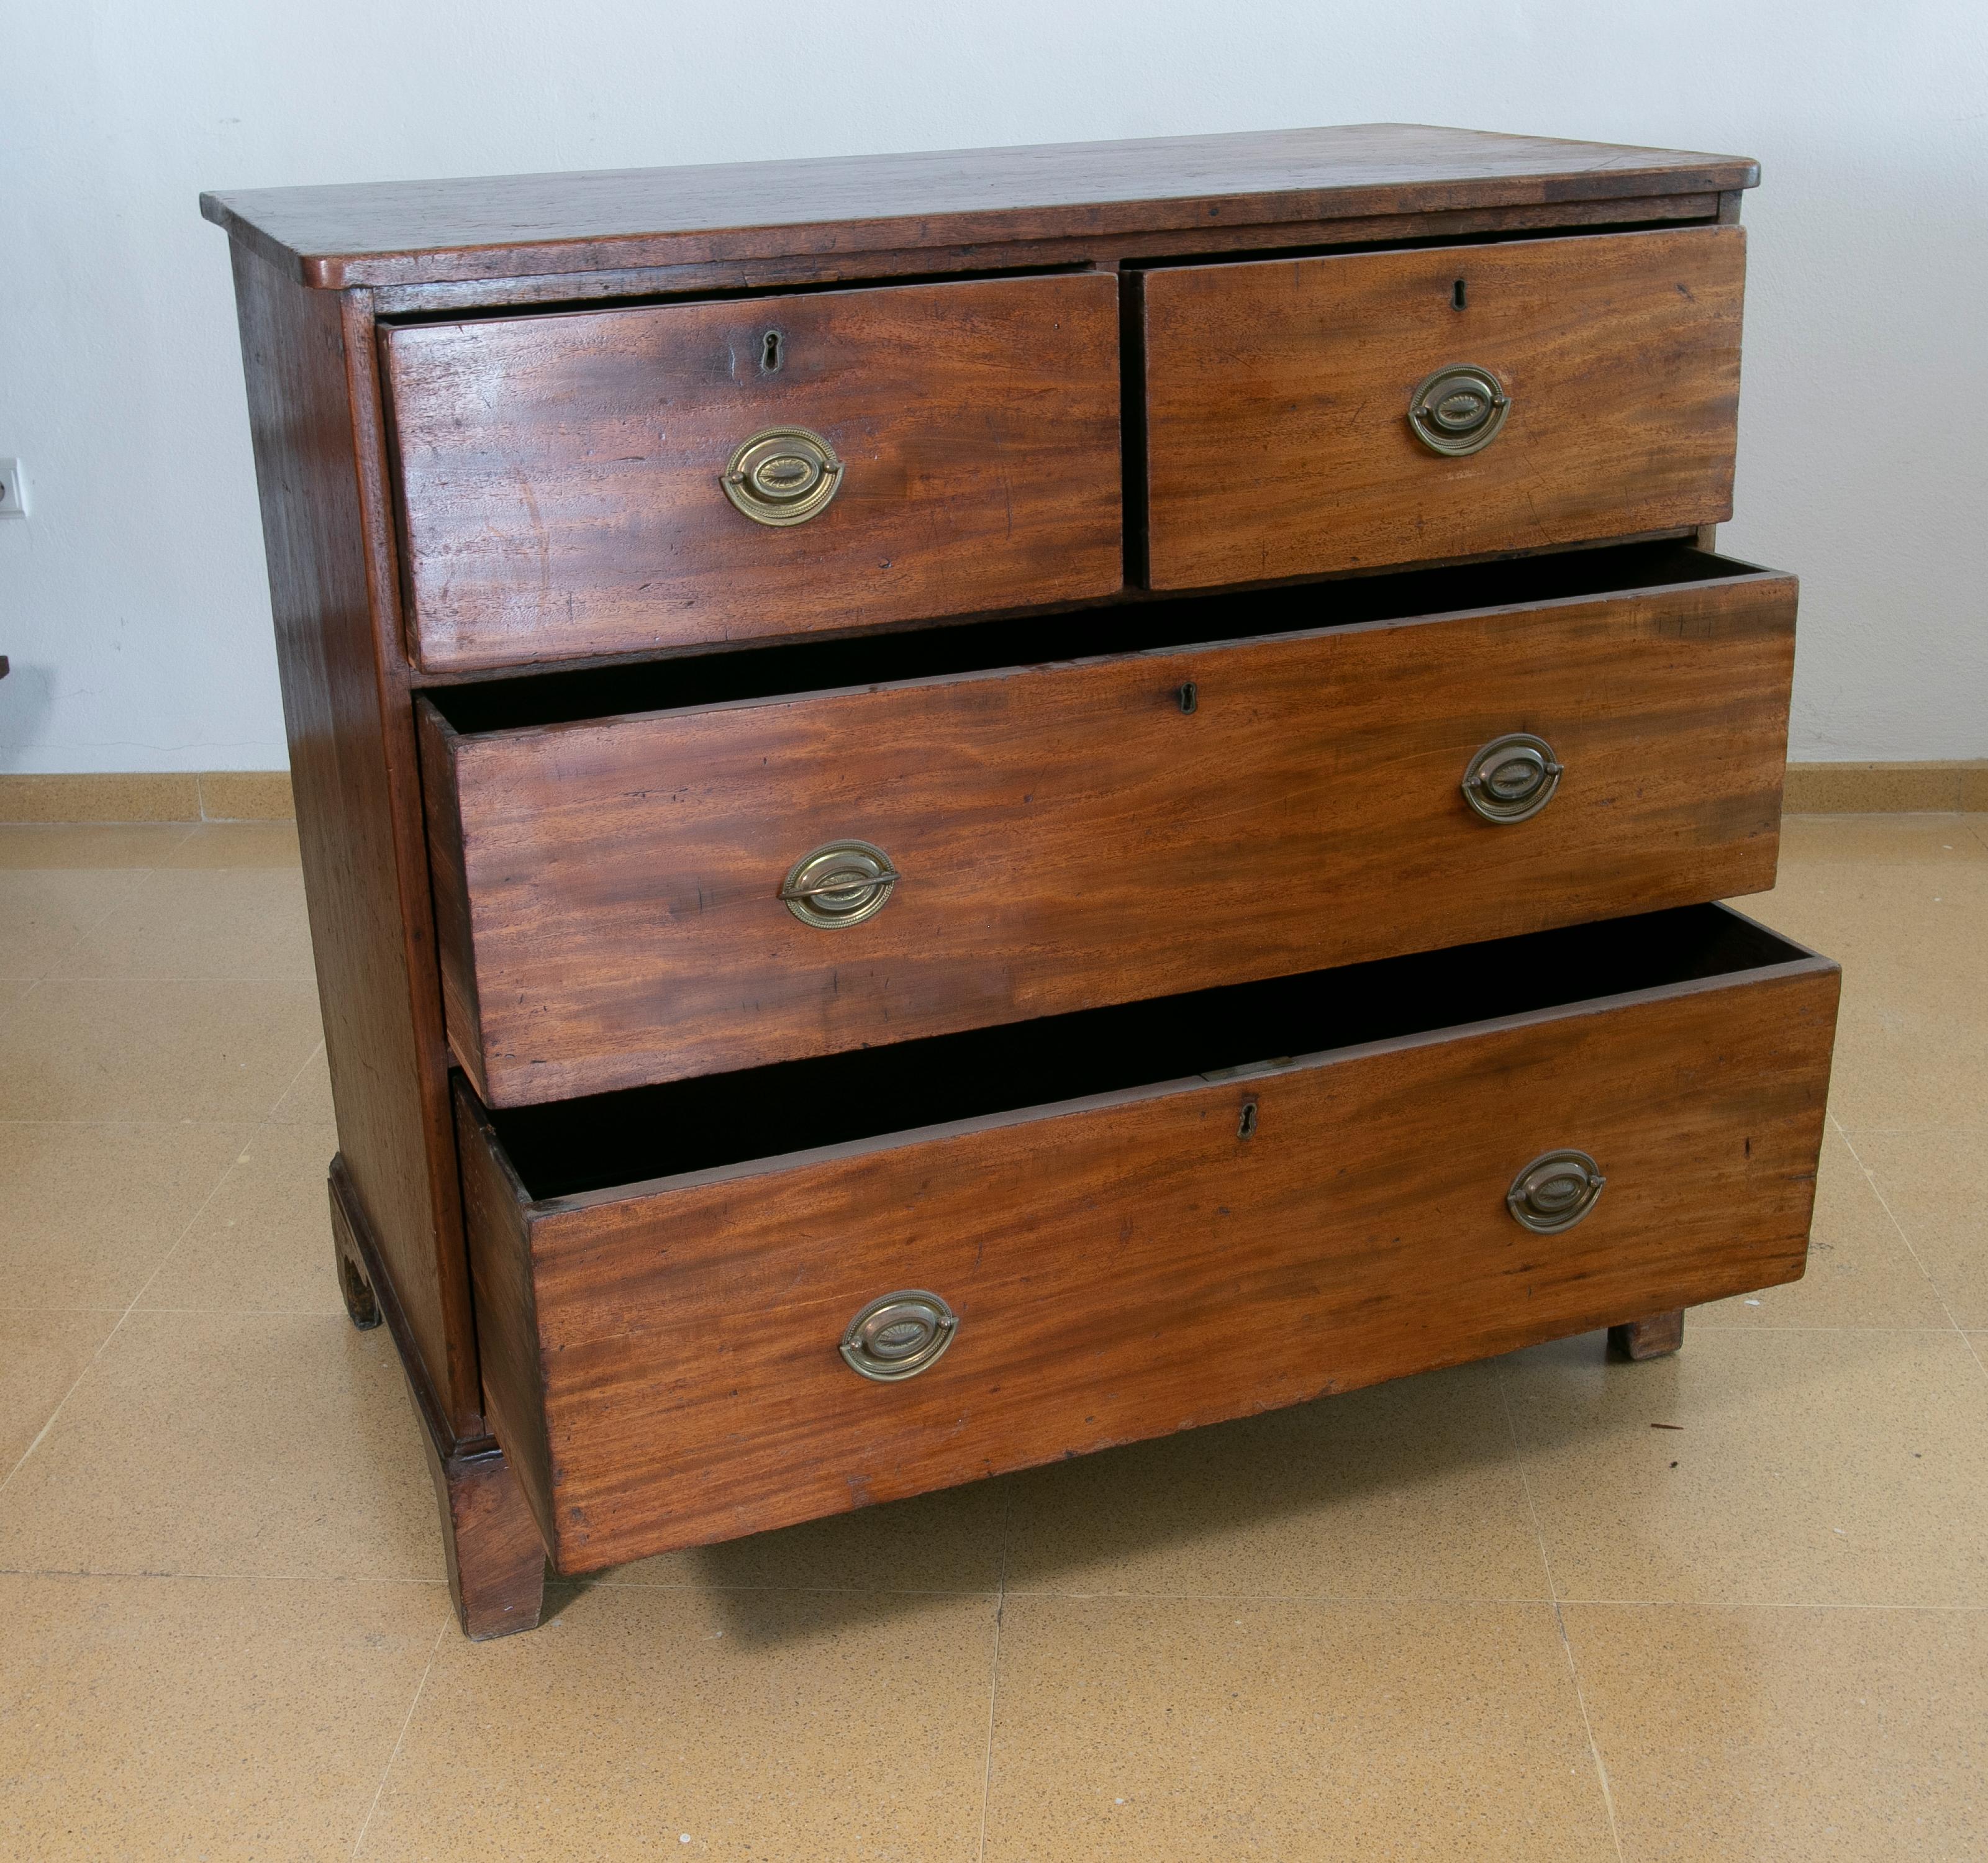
(1115, 1224)
(1092, 807)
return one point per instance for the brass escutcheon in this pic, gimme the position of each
(898, 1335)
(1512, 778)
(1554, 1191)
(840, 884)
(782, 475)
(1458, 409)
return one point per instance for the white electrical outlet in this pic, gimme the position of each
(13, 489)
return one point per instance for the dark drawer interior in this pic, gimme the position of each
(567, 1148)
(1156, 624)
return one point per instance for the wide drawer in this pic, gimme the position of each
(1130, 1229)
(562, 479)
(1066, 833)
(1278, 440)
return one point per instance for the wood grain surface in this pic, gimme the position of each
(1080, 250)
(313, 415)
(1128, 1266)
(560, 475)
(606, 891)
(408, 232)
(1277, 442)
(491, 1540)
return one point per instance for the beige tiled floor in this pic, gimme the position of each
(1490, 1613)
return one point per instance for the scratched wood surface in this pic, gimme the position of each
(358, 820)
(560, 475)
(1132, 1267)
(606, 892)
(524, 225)
(1277, 441)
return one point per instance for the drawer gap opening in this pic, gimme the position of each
(1157, 624)
(568, 1147)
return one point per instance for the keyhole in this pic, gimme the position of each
(1245, 1127)
(1190, 696)
(770, 352)
(1457, 297)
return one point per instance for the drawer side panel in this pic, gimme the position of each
(507, 1321)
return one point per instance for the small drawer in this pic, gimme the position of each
(625, 481)
(1310, 415)
(1223, 788)
(711, 1308)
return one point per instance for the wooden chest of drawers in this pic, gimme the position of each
(961, 808)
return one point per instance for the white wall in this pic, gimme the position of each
(133, 600)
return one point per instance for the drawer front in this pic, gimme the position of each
(563, 479)
(1278, 436)
(609, 893)
(663, 1367)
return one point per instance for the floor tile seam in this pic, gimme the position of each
(173, 1125)
(1553, 1605)
(138, 877)
(1587, 1727)
(103, 1345)
(118, 866)
(147, 976)
(1700, 1324)
(587, 1582)
(105, 1575)
(235, 1312)
(228, 1170)
(13, 1007)
(1760, 1604)
(84, 1576)
(1525, 1482)
(1476, 1600)
(1904, 1241)
(1333, 1600)
(1976, 1133)
(387, 1771)
(993, 1696)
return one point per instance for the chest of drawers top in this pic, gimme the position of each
(846, 211)
(1017, 378)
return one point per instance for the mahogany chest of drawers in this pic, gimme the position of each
(961, 808)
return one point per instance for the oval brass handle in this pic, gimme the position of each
(1554, 1191)
(782, 475)
(1458, 409)
(1512, 778)
(842, 884)
(899, 1336)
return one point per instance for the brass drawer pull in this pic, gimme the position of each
(840, 884)
(1512, 778)
(782, 475)
(899, 1336)
(1554, 1191)
(1458, 409)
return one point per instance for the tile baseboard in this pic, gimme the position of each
(1887, 789)
(264, 795)
(188, 795)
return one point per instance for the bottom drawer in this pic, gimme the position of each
(1128, 1221)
